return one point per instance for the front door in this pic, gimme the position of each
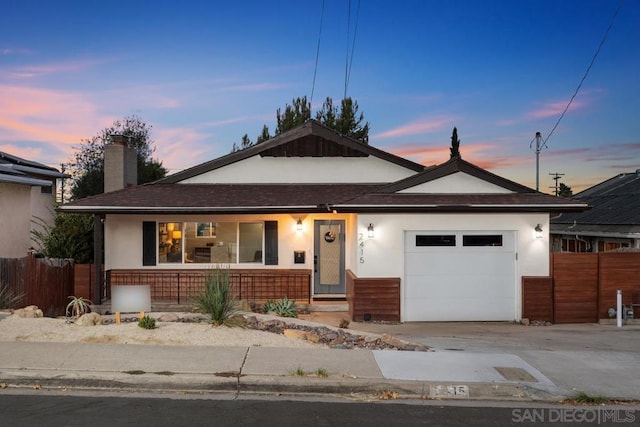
(328, 259)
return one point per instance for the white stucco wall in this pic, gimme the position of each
(19, 204)
(383, 255)
(305, 170)
(457, 183)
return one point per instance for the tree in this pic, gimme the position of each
(346, 121)
(87, 166)
(71, 236)
(564, 191)
(294, 115)
(455, 144)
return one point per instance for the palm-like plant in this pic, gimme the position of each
(216, 299)
(78, 306)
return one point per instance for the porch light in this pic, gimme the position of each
(538, 231)
(370, 231)
(299, 225)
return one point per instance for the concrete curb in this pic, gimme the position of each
(369, 389)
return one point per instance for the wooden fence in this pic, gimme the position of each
(582, 287)
(373, 298)
(254, 285)
(45, 282)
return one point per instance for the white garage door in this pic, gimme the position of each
(459, 276)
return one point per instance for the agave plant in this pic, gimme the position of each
(283, 307)
(78, 306)
(217, 299)
(8, 297)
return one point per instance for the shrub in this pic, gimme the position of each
(78, 306)
(8, 297)
(147, 322)
(344, 324)
(283, 307)
(216, 299)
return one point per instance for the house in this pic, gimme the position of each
(612, 223)
(27, 192)
(310, 212)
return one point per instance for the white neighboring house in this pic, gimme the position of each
(27, 191)
(458, 238)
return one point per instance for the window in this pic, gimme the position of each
(170, 242)
(436, 240)
(482, 240)
(205, 229)
(218, 242)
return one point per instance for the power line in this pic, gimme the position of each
(584, 77)
(349, 60)
(315, 70)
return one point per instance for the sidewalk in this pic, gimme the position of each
(367, 373)
(481, 361)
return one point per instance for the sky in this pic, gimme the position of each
(204, 73)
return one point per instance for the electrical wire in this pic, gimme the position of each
(315, 70)
(584, 77)
(349, 61)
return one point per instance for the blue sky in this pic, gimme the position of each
(204, 73)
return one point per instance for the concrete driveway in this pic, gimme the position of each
(597, 359)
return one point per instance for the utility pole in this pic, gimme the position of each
(539, 146)
(556, 176)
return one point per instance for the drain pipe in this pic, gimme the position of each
(619, 309)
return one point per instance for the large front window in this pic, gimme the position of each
(211, 242)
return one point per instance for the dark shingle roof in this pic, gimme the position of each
(615, 201)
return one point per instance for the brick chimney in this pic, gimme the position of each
(120, 164)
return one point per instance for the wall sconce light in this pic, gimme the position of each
(370, 231)
(299, 225)
(538, 231)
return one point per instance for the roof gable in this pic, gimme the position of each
(460, 173)
(310, 139)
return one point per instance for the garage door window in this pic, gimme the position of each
(436, 240)
(482, 240)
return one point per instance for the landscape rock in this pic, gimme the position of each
(168, 317)
(89, 319)
(331, 337)
(295, 334)
(29, 312)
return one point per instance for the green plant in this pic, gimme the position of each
(588, 399)
(147, 322)
(321, 373)
(78, 306)
(8, 297)
(269, 306)
(299, 372)
(216, 299)
(283, 307)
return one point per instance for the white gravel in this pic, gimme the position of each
(14, 328)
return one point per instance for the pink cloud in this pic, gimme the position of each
(552, 109)
(47, 117)
(417, 127)
(30, 71)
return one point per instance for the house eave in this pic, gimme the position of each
(396, 208)
(190, 210)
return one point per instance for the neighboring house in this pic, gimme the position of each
(27, 192)
(458, 238)
(612, 223)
